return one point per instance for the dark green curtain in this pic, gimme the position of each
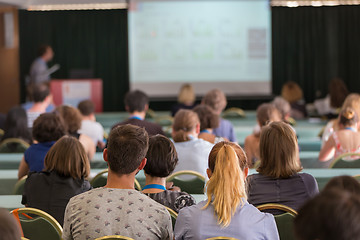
(94, 39)
(312, 45)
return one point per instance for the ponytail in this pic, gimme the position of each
(181, 136)
(226, 187)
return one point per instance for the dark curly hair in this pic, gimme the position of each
(48, 127)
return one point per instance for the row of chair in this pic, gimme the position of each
(41, 225)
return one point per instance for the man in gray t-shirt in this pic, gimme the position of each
(118, 209)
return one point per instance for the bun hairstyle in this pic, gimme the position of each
(348, 117)
(226, 186)
(185, 121)
(266, 113)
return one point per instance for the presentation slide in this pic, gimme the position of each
(208, 43)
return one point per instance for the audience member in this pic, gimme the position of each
(265, 113)
(292, 93)
(9, 228)
(347, 183)
(66, 166)
(351, 101)
(42, 98)
(226, 211)
(48, 128)
(192, 151)
(278, 180)
(137, 104)
(208, 121)
(344, 140)
(283, 107)
(186, 99)
(16, 126)
(117, 208)
(216, 99)
(39, 71)
(331, 215)
(89, 126)
(161, 161)
(331, 104)
(72, 119)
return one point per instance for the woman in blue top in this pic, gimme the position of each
(226, 212)
(47, 129)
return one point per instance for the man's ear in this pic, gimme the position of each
(209, 173)
(142, 164)
(246, 172)
(197, 128)
(105, 156)
(146, 107)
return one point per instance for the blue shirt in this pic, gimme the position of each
(248, 223)
(226, 130)
(39, 71)
(35, 155)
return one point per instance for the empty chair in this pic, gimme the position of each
(39, 227)
(284, 222)
(342, 162)
(191, 186)
(114, 237)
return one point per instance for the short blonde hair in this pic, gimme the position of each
(278, 151)
(215, 99)
(185, 121)
(68, 158)
(186, 94)
(291, 92)
(226, 186)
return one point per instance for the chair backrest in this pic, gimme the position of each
(114, 237)
(233, 112)
(100, 180)
(173, 215)
(19, 186)
(284, 222)
(13, 145)
(164, 121)
(39, 226)
(340, 161)
(223, 238)
(192, 186)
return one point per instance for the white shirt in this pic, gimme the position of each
(193, 155)
(92, 129)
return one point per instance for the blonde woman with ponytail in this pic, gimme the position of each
(226, 212)
(344, 140)
(193, 152)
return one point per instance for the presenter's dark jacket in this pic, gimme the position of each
(51, 192)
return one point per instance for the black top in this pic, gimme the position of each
(175, 108)
(292, 191)
(172, 199)
(50, 192)
(150, 127)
